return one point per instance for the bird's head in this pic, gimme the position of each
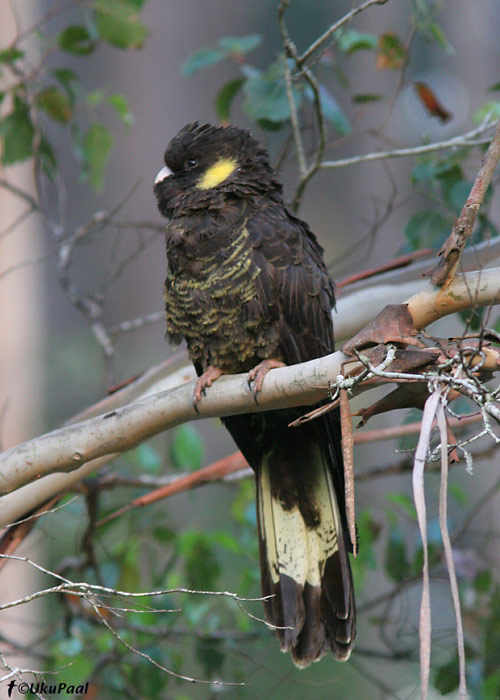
(204, 164)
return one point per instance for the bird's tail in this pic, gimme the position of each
(303, 553)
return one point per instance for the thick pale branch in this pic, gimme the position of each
(466, 291)
(91, 443)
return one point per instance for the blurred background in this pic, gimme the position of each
(55, 361)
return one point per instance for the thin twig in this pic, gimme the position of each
(457, 141)
(316, 45)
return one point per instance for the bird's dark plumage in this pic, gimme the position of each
(246, 283)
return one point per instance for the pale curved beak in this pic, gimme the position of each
(164, 172)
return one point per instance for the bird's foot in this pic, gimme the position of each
(257, 374)
(207, 379)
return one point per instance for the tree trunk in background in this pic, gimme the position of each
(22, 332)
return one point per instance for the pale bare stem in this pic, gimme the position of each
(291, 53)
(320, 149)
(316, 45)
(448, 552)
(428, 416)
(142, 654)
(456, 142)
(134, 324)
(21, 265)
(39, 515)
(57, 10)
(95, 595)
(13, 226)
(82, 588)
(18, 192)
(20, 671)
(90, 307)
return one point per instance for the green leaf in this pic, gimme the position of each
(491, 652)
(352, 40)
(120, 103)
(331, 109)
(472, 318)
(268, 125)
(164, 535)
(447, 169)
(187, 448)
(368, 532)
(224, 539)
(118, 23)
(494, 87)
(397, 565)
(366, 97)
(240, 44)
(209, 655)
(392, 53)
(427, 229)
(438, 35)
(77, 40)
(47, 157)
(54, 103)
(225, 97)
(403, 501)
(200, 563)
(16, 132)
(97, 145)
(458, 194)
(70, 646)
(146, 458)
(446, 679)
(69, 81)
(483, 581)
(266, 96)
(11, 55)
(95, 97)
(418, 560)
(490, 689)
(201, 59)
(333, 112)
(459, 494)
(489, 111)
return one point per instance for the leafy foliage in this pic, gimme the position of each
(34, 108)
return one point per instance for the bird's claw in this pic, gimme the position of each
(257, 374)
(207, 379)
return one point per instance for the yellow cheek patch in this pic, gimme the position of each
(217, 173)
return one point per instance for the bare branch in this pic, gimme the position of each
(452, 248)
(461, 141)
(316, 45)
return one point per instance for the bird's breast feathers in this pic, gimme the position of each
(211, 301)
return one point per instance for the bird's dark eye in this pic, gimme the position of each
(191, 163)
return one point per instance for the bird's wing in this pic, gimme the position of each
(294, 277)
